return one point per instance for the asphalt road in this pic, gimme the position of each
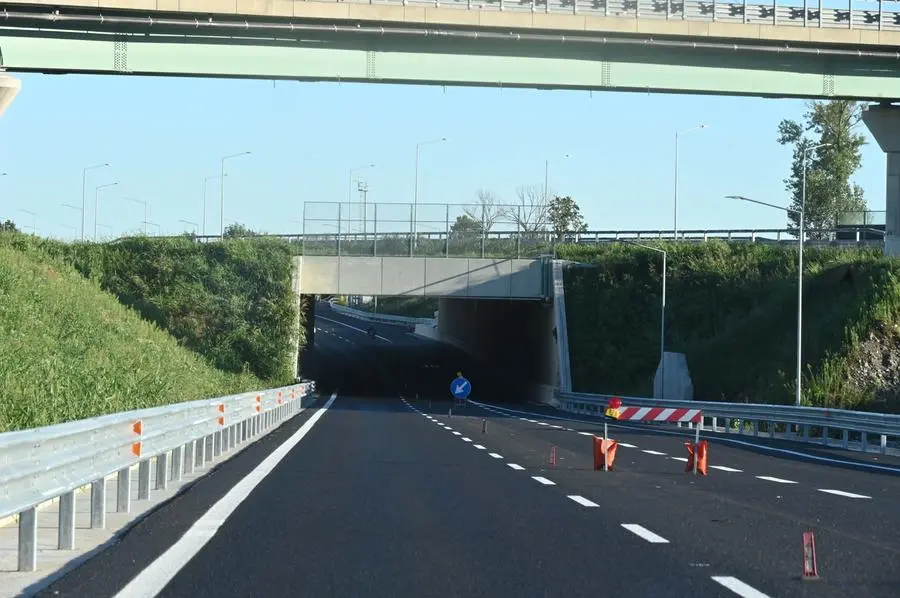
(387, 496)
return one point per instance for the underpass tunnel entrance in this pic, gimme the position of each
(504, 347)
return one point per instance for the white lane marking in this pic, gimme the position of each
(778, 480)
(643, 532)
(524, 419)
(516, 466)
(726, 468)
(151, 581)
(718, 437)
(543, 480)
(447, 428)
(586, 433)
(842, 493)
(652, 452)
(531, 421)
(626, 445)
(387, 340)
(479, 447)
(496, 455)
(682, 459)
(738, 587)
(543, 423)
(456, 433)
(466, 439)
(557, 427)
(583, 501)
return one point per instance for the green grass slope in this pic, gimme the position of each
(732, 311)
(70, 350)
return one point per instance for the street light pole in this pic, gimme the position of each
(662, 317)
(677, 134)
(83, 188)
(349, 191)
(141, 201)
(97, 202)
(802, 217)
(222, 193)
(547, 176)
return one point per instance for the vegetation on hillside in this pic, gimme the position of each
(71, 350)
(732, 310)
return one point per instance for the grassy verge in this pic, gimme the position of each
(71, 350)
(732, 310)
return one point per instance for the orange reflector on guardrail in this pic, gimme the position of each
(136, 449)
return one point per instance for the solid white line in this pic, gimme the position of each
(149, 582)
(387, 340)
(496, 455)
(583, 501)
(466, 439)
(479, 447)
(652, 452)
(726, 468)
(643, 532)
(543, 480)
(842, 493)
(738, 587)
(779, 480)
(516, 466)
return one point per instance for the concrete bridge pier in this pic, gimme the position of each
(883, 120)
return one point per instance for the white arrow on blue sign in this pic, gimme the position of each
(460, 388)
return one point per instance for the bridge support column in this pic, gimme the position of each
(883, 121)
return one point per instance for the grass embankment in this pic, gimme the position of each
(217, 319)
(732, 311)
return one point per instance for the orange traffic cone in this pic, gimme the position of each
(702, 453)
(604, 448)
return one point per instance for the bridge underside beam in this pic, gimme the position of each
(448, 62)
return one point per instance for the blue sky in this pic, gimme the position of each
(162, 136)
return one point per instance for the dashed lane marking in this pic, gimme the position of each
(777, 480)
(516, 466)
(652, 452)
(726, 468)
(479, 447)
(466, 439)
(496, 455)
(738, 587)
(643, 532)
(543, 480)
(842, 493)
(583, 501)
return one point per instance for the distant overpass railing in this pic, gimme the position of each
(508, 244)
(843, 14)
(43, 464)
(814, 424)
(381, 318)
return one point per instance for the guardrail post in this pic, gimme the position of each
(805, 431)
(216, 444)
(864, 441)
(845, 438)
(28, 540)
(755, 428)
(189, 457)
(771, 429)
(825, 434)
(123, 490)
(162, 469)
(98, 504)
(66, 537)
(144, 480)
(199, 452)
(208, 446)
(177, 462)
(884, 444)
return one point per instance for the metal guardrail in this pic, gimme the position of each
(846, 14)
(380, 318)
(812, 422)
(42, 464)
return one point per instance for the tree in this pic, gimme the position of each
(465, 224)
(233, 231)
(532, 213)
(487, 210)
(829, 190)
(8, 227)
(565, 216)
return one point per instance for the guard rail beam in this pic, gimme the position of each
(820, 421)
(380, 318)
(51, 462)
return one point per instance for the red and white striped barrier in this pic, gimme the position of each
(660, 414)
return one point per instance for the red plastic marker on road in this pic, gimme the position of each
(810, 570)
(552, 456)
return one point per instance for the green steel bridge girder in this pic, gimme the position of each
(490, 63)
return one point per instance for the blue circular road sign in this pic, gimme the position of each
(460, 387)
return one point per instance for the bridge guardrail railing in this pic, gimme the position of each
(380, 318)
(52, 462)
(814, 424)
